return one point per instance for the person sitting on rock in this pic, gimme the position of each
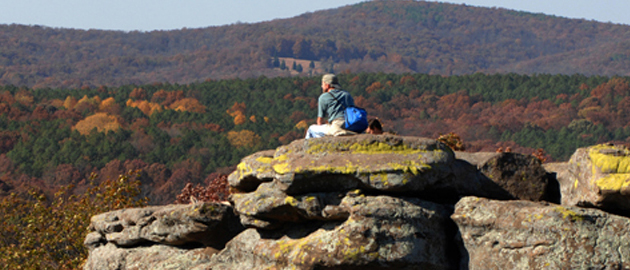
(330, 109)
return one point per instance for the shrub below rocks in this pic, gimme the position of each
(43, 233)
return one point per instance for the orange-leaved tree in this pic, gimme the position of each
(238, 112)
(109, 105)
(146, 107)
(103, 122)
(188, 105)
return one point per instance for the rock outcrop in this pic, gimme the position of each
(530, 235)
(157, 236)
(385, 202)
(376, 232)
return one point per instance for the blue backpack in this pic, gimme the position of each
(355, 117)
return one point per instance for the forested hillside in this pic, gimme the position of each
(377, 36)
(176, 134)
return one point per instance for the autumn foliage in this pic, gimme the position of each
(243, 138)
(188, 105)
(102, 122)
(238, 112)
(178, 134)
(453, 141)
(48, 233)
(148, 108)
(217, 190)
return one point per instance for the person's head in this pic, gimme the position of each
(374, 127)
(330, 81)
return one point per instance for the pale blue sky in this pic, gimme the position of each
(148, 15)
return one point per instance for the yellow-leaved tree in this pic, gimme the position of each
(58, 103)
(103, 122)
(87, 104)
(70, 102)
(243, 138)
(188, 105)
(109, 105)
(48, 233)
(24, 97)
(146, 107)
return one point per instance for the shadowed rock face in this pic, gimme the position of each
(378, 232)
(384, 202)
(520, 176)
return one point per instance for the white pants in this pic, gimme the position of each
(316, 131)
(331, 129)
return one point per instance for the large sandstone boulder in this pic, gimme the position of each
(379, 232)
(153, 234)
(268, 207)
(599, 176)
(385, 163)
(410, 166)
(531, 235)
(520, 176)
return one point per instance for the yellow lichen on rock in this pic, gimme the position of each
(243, 169)
(348, 168)
(614, 161)
(380, 147)
(609, 163)
(265, 160)
(566, 213)
(291, 201)
(410, 166)
(281, 158)
(614, 182)
(366, 147)
(282, 168)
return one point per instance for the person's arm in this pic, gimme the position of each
(321, 111)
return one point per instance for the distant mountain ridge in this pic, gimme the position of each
(377, 36)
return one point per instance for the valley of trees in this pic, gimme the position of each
(194, 133)
(377, 36)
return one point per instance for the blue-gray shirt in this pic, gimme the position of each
(328, 107)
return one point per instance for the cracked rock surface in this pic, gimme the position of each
(159, 234)
(534, 235)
